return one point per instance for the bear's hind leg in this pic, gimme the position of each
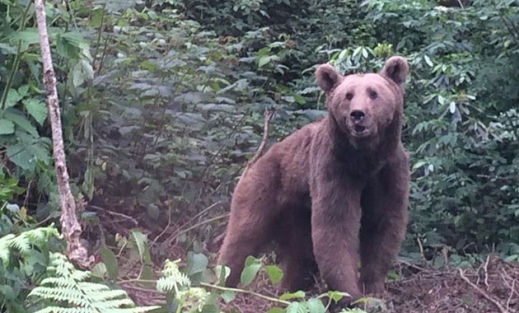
(298, 261)
(249, 229)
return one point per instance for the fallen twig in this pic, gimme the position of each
(95, 207)
(511, 295)
(482, 292)
(485, 268)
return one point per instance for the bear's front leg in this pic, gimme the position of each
(335, 224)
(383, 224)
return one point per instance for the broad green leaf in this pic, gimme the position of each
(295, 295)
(196, 263)
(100, 270)
(428, 61)
(276, 310)
(141, 240)
(316, 306)
(264, 60)
(336, 295)
(419, 164)
(452, 107)
(365, 53)
(27, 152)
(228, 296)
(249, 273)
(21, 121)
(7, 292)
(75, 39)
(22, 157)
(152, 67)
(441, 99)
(147, 275)
(251, 260)
(29, 36)
(37, 109)
(82, 72)
(13, 97)
(8, 49)
(6, 127)
(275, 273)
(296, 307)
(222, 273)
(23, 90)
(110, 260)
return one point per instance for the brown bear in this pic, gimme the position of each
(330, 189)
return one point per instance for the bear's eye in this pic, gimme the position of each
(372, 94)
(349, 96)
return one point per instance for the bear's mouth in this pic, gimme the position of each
(360, 131)
(359, 128)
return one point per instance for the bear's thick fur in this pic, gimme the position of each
(330, 185)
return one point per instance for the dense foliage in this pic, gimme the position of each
(163, 104)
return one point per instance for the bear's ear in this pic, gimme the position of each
(327, 77)
(396, 69)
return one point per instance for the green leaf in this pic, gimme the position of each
(12, 98)
(82, 72)
(110, 260)
(252, 266)
(251, 260)
(6, 127)
(316, 306)
(365, 53)
(336, 295)
(275, 273)
(419, 164)
(228, 296)
(7, 292)
(441, 99)
(264, 60)
(8, 49)
(295, 295)
(28, 151)
(22, 122)
(147, 275)
(29, 37)
(37, 109)
(196, 263)
(452, 107)
(296, 307)
(141, 241)
(276, 310)
(222, 273)
(428, 61)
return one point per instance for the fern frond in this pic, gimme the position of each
(67, 285)
(172, 279)
(55, 309)
(25, 241)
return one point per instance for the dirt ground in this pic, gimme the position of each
(492, 287)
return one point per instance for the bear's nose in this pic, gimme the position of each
(357, 116)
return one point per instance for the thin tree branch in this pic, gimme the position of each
(269, 113)
(70, 225)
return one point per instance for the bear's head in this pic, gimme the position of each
(364, 106)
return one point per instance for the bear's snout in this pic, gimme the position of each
(357, 116)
